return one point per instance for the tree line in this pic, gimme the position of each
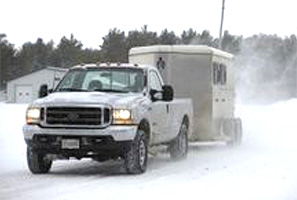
(268, 56)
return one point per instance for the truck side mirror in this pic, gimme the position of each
(43, 91)
(168, 93)
(156, 95)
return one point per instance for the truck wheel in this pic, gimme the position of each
(137, 154)
(179, 146)
(37, 162)
(233, 128)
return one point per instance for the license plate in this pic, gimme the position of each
(70, 144)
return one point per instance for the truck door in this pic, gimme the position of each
(159, 110)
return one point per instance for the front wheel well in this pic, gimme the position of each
(186, 120)
(144, 125)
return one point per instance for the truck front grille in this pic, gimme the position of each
(78, 116)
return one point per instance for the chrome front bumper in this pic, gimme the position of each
(118, 132)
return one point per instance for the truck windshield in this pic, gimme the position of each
(103, 79)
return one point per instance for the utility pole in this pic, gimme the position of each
(1, 36)
(221, 27)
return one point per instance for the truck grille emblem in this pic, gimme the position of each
(73, 117)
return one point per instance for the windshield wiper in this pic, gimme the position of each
(111, 90)
(72, 90)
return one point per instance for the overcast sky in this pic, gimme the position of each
(90, 20)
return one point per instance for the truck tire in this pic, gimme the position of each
(37, 162)
(233, 129)
(137, 154)
(178, 148)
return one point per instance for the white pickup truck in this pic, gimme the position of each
(107, 111)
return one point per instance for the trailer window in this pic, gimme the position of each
(219, 74)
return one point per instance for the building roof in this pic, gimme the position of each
(49, 68)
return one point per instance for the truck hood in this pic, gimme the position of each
(77, 98)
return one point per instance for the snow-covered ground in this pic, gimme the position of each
(264, 167)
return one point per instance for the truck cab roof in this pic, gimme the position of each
(111, 65)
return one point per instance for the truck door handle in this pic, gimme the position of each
(167, 108)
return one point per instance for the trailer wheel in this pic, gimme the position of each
(238, 130)
(179, 146)
(37, 162)
(233, 129)
(137, 154)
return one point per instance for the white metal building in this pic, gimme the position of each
(25, 89)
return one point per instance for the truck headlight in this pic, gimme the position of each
(122, 116)
(33, 115)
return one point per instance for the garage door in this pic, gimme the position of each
(23, 93)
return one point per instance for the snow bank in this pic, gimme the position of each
(12, 145)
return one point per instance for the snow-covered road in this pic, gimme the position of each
(264, 167)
